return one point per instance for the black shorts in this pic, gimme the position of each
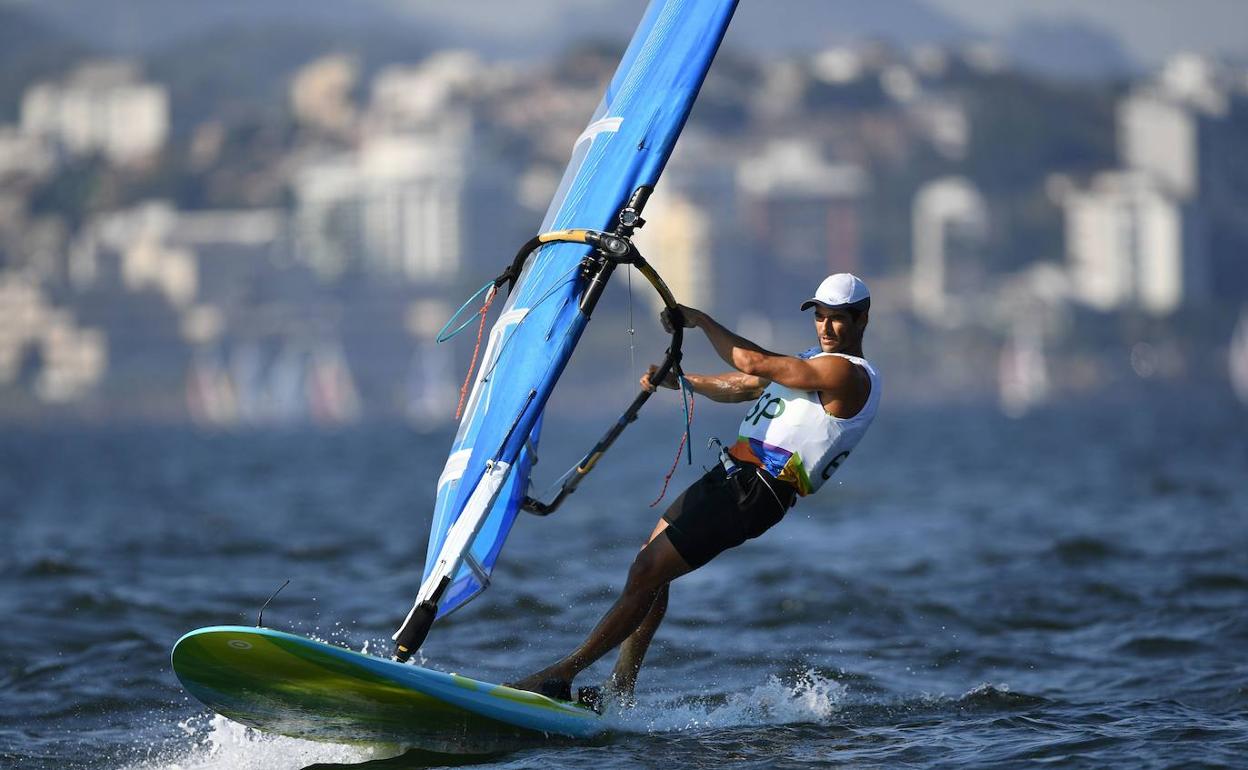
(718, 512)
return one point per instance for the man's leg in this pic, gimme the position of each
(657, 565)
(633, 650)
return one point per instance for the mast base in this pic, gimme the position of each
(412, 635)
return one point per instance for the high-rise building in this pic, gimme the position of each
(950, 225)
(1129, 243)
(396, 207)
(1158, 137)
(803, 214)
(693, 235)
(101, 108)
(421, 194)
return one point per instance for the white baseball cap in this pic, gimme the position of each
(839, 290)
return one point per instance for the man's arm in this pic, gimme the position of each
(830, 374)
(728, 388)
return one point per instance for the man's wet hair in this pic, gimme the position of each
(858, 308)
(855, 309)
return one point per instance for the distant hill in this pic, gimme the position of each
(496, 28)
(142, 26)
(235, 69)
(22, 32)
(772, 27)
(810, 24)
(776, 26)
(1068, 49)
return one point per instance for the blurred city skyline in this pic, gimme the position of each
(268, 226)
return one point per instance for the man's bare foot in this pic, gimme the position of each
(607, 696)
(551, 687)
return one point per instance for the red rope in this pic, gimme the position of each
(683, 438)
(463, 391)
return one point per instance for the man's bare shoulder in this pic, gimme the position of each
(837, 369)
(842, 382)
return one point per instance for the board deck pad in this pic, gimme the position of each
(290, 685)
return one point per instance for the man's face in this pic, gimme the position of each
(836, 328)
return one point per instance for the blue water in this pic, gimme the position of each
(1069, 589)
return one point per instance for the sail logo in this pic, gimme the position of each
(601, 126)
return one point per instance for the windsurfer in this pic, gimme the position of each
(809, 412)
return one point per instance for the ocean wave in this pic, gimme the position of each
(1159, 646)
(56, 565)
(996, 697)
(1084, 549)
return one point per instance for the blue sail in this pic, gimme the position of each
(624, 147)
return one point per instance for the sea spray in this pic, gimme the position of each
(811, 697)
(212, 742)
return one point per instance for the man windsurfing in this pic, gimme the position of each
(809, 412)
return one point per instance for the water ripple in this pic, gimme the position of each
(860, 632)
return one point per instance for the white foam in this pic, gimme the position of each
(811, 698)
(216, 743)
(212, 742)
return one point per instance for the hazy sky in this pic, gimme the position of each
(1149, 30)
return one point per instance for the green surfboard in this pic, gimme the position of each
(290, 685)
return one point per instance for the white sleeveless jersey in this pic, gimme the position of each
(791, 436)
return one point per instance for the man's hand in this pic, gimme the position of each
(668, 382)
(688, 317)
